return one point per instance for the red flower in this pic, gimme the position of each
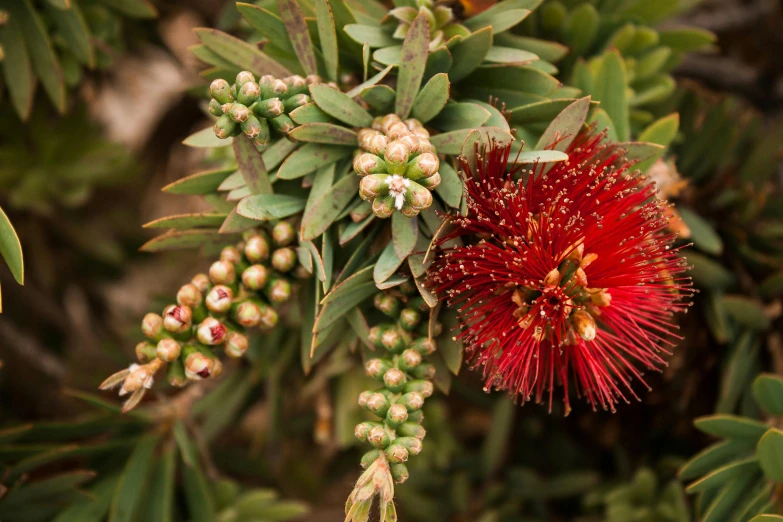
(573, 276)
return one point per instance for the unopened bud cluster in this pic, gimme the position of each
(398, 166)
(407, 381)
(214, 310)
(257, 108)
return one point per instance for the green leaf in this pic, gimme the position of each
(703, 234)
(686, 39)
(767, 518)
(772, 286)
(11, 249)
(415, 49)
(768, 391)
(344, 297)
(73, 29)
(309, 113)
(340, 106)
(432, 98)
(498, 21)
(539, 112)
(539, 156)
(379, 97)
(387, 264)
(545, 49)
(93, 508)
(327, 35)
(309, 158)
(761, 165)
(295, 24)
(198, 496)
(38, 460)
(461, 116)
(185, 221)
(326, 133)
(729, 496)
(328, 207)
(241, 53)
(717, 455)
(199, 183)
(56, 486)
(160, 502)
(42, 56)
(450, 142)
(731, 427)
(132, 486)
(269, 25)
(183, 239)
(709, 273)
(770, 454)
(356, 91)
(565, 127)
(186, 448)
(250, 164)
(17, 69)
(449, 344)
(133, 8)
(509, 55)
(470, 53)
(610, 82)
(206, 139)
(495, 445)
(404, 233)
(264, 207)
(451, 185)
(746, 311)
(367, 34)
(724, 474)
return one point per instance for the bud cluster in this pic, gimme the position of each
(214, 310)
(440, 17)
(257, 108)
(398, 166)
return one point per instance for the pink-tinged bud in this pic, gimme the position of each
(248, 314)
(412, 444)
(423, 387)
(231, 255)
(397, 153)
(271, 87)
(430, 183)
(224, 127)
(255, 277)
(283, 233)
(140, 377)
(222, 273)
(152, 326)
(408, 211)
(248, 93)
(217, 367)
(400, 473)
(312, 79)
(269, 318)
(270, 108)
(257, 249)
(215, 108)
(211, 332)
(189, 295)
(410, 359)
(236, 344)
(409, 318)
(378, 404)
(392, 340)
(295, 83)
(279, 291)
(284, 259)
(416, 127)
(201, 282)
(397, 130)
(396, 453)
(387, 121)
(376, 144)
(424, 346)
(383, 206)
(394, 379)
(419, 197)
(413, 401)
(364, 397)
(376, 123)
(374, 185)
(584, 324)
(388, 304)
(601, 298)
(198, 366)
(361, 431)
(244, 77)
(397, 414)
(294, 102)
(423, 166)
(177, 318)
(367, 163)
(239, 112)
(168, 350)
(425, 145)
(365, 134)
(219, 299)
(411, 141)
(378, 437)
(221, 91)
(375, 368)
(145, 351)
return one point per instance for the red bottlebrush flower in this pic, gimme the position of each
(573, 274)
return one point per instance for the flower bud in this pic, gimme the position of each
(396, 153)
(168, 350)
(424, 346)
(375, 336)
(397, 130)
(422, 166)
(244, 77)
(410, 359)
(378, 437)
(412, 444)
(295, 84)
(361, 430)
(409, 319)
(220, 90)
(396, 453)
(238, 112)
(584, 324)
(197, 365)
(284, 259)
(394, 379)
(236, 344)
(411, 141)
(374, 185)
(257, 249)
(177, 319)
(224, 127)
(383, 206)
(416, 416)
(255, 277)
(423, 371)
(422, 387)
(217, 367)
(392, 340)
(211, 332)
(388, 304)
(248, 314)
(145, 351)
(601, 298)
(215, 108)
(278, 290)
(271, 87)
(140, 377)
(378, 404)
(396, 415)
(269, 318)
(399, 472)
(283, 233)
(152, 326)
(430, 183)
(375, 368)
(370, 457)
(252, 127)
(222, 273)
(282, 124)
(201, 282)
(366, 163)
(419, 197)
(312, 79)
(364, 397)
(387, 121)
(425, 145)
(189, 295)
(365, 134)
(271, 108)
(294, 102)
(412, 401)
(411, 429)
(219, 299)
(248, 93)
(176, 374)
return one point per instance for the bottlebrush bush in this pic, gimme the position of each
(396, 189)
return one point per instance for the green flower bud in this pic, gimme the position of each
(396, 155)
(396, 415)
(431, 183)
(215, 108)
(410, 359)
(189, 295)
(236, 344)
(387, 304)
(397, 130)
(219, 299)
(255, 277)
(394, 379)
(392, 340)
(375, 368)
(263, 133)
(411, 429)
(257, 249)
(230, 254)
(177, 319)
(211, 332)
(423, 371)
(271, 87)
(375, 336)
(168, 350)
(424, 346)
(387, 121)
(238, 112)
(425, 145)
(270, 108)
(370, 457)
(145, 352)
(399, 472)
(378, 404)
(422, 387)
(373, 186)
(412, 444)
(220, 90)
(383, 206)
(278, 290)
(152, 326)
(295, 84)
(283, 233)
(201, 282)
(396, 453)
(252, 127)
(408, 288)
(269, 318)
(313, 79)
(409, 211)
(248, 93)
(224, 127)
(409, 319)
(176, 374)
(222, 273)
(284, 259)
(244, 77)
(282, 124)
(412, 142)
(364, 397)
(294, 102)
(378, 437)
(413, 401)
(361, 430)
(416, 416)
(422, 166)
(419, 197)
(248, 314)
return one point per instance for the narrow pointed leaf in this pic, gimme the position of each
(132, 486)
(340, 106)
(17, 68)
(565, 127)
(611, 79)
(387, 264)
(328, 37)
(42, 55)
(415, 49)
(309, 158)
(325, 211)
(11, 248)
(250, 163)
(295, 24)
(404, 233)
(241, 53)
(432, 98)
(326, 133)
(265, 207)
(470, 53)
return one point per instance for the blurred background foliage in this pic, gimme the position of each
(82, 159)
